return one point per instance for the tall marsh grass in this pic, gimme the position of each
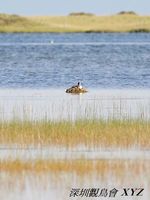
(81, 167)
(90, 133)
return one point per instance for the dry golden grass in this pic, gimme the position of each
(90, 133)
(83, 167)
(85, 23)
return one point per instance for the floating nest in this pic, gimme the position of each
(76, 90)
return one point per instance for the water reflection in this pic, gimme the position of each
(79, 152)
(56, 182)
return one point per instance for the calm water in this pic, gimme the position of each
(59, 60)
(56, 105)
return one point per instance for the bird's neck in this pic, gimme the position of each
(80, 86)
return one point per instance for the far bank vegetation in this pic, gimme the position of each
(75, 22)
(80, 14)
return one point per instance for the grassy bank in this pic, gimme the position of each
(90, 133)
(83, 23)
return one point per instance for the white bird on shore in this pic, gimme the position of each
(52, 42)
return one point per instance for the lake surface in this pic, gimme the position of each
(60, 60)
(35, 70)
(115, 68)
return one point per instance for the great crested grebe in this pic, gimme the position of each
(76, 89)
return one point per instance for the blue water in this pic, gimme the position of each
(60, 60)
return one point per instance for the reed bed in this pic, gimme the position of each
(89, 133)
(81, 167)
(85, 23)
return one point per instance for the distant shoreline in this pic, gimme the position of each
(126, 23)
